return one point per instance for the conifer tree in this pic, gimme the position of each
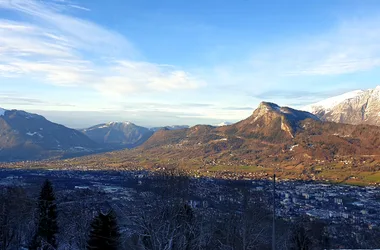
(47, 228)
(104, 232)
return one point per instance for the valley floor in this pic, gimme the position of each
(354, 208)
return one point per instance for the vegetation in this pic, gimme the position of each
(47, 228)
(166, 220)
(104, 232)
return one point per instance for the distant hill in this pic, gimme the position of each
(118, 134)
(355, 107)
(173, 127)
(27, 136)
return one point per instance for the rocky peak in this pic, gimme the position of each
(268, 106)
(269, 119)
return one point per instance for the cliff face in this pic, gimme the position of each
(271, 120)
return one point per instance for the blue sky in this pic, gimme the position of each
(181, 62)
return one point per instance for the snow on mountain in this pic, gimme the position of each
(27, 136)
(223, 124)
(355, 107)
(110, 124)
(2, 111)
(119, 123)
(331, 102)
(118, 134)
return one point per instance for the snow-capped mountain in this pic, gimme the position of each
(355, 107)
(2, 111)
(26, 136)
(118, 134)
(330, 103)
(224, 124)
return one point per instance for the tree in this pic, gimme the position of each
(249, 227)
(47, 228)
(300, 238)
(75, 220)
(169, 226)
(15, 217)
(104, 234)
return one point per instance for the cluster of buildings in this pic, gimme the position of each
(336, 205)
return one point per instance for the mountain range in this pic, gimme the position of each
(271, 131)
(299, 144)
(28, 136)
(355, 107)
(336, 128)
(25, 135)
(123, 134)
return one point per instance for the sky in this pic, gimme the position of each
(166, 62)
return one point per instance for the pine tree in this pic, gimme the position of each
(104, 234)
(47, 228)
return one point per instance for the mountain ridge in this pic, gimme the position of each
(118, 134)
(31, 136)
(355, 107)
(305, 149)
(295, 143)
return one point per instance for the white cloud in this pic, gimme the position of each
(82, 33)
(293, 63)
(215, 112)
(129, 76)
(61, 49)
(351, 46)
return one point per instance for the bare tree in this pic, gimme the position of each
(170, 227)
(75, 220)
(15, 217)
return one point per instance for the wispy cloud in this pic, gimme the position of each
(129, 76)
(350, 46)
(51, 45)
(79, 7)
(193, 112)
(17, 99)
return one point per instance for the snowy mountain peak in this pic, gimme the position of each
(2, 111)
(119, 123)
(118, 134)
(331, 102)
(355, 107)
(223, 124)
